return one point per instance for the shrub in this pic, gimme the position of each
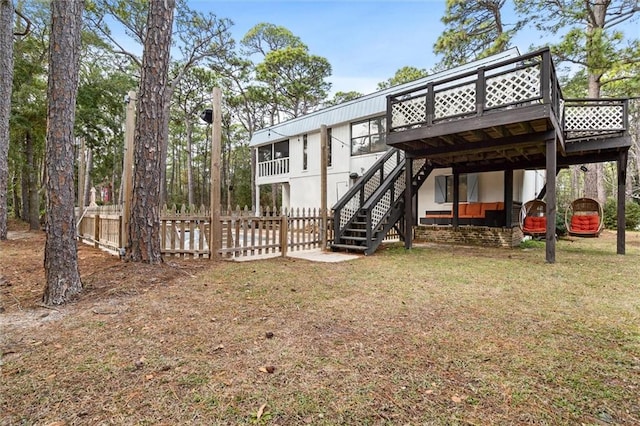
(561, 227)
(632, 214)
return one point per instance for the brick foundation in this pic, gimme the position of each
(473, 235)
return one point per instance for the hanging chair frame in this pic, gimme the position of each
(584, 207)
(533, 208)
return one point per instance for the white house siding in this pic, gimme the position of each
(301, 188)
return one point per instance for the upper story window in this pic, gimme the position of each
(305, 152)
(368, 136)
(273, 151)
(273, 159)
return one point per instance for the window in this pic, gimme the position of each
(273, 151)
(305, 145)
(329, 147)
(468, 188)
(265, 153)
(281, 149)
(368, 136)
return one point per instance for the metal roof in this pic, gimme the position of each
(364, 106)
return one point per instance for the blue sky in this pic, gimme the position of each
(365, 41)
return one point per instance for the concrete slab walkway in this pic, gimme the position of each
(319, 255)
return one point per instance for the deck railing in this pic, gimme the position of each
(584, 118)
(526, 80)
(279, 166)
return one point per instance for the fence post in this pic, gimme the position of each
(215, 237)
(284, 231)
(96, 231)
(127, 169)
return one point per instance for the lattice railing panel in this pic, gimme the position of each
(371, 185)
(455, 101)
(598, 118)
(349, 210)
(380, 209)
(409, 112)
(417, 165)
(518, 86)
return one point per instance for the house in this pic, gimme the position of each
(472, 143)
(289, 153)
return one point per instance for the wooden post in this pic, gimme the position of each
(455, 221)
(622, 180)
(284, 232)
(323, 186)
(82, 163)
(96, 231)
(215, 242)
(551, 201)
(127, 168)
(508, 198)
(408, 196)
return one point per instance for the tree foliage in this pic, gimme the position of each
(473, 30)
(592, 38)
(341, 97)
(403, 75)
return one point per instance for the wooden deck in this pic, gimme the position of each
(508, 116)
(500, 118)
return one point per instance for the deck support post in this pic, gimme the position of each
(455, 222)
(508, 198)
(551, 200)
(622, 180)
(408, 204)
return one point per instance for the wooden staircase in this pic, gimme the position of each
(375, 204)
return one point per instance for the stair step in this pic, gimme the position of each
(359, 231)
(353, 238)
(348, 247)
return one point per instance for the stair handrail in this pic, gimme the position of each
(375, 167)
(392, 211)
(391, 179)
(357, 190)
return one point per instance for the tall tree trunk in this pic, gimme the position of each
(594, 179)
(16, 197)
(30, 197)
(24, 176)
(575, 182)
(189, 130)
(150, 136)
(34, 190)
(6, 82)
(60, 255)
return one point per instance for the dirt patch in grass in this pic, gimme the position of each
(436, 335)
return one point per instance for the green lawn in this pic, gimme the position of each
(440, 335)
